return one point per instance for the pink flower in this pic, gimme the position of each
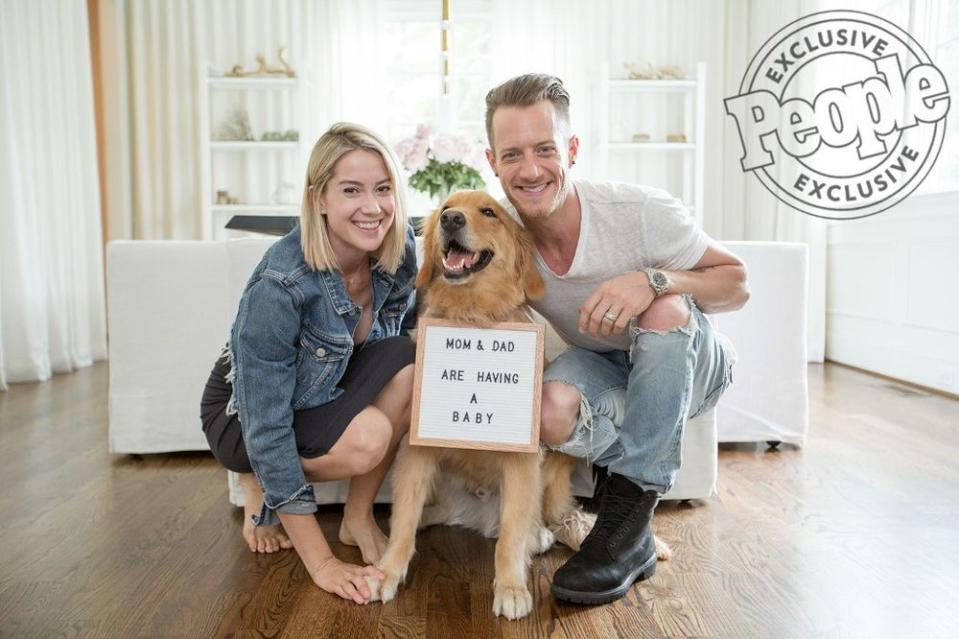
(477, 158)
(445, 148)
(452, 147)
(416, 159)
(412, 153)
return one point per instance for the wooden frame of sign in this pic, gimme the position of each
(482, 386)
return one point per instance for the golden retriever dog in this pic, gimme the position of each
(478, 269)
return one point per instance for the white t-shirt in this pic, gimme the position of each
(624, 227)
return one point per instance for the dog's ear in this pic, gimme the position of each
(430, 251)
(532, 281)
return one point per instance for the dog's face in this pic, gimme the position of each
(471, 241)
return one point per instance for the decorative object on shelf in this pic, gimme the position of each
(236, 128)
(263, 69)
(666, 72)
(441, 163)
(237, 154)
(223, 197)
(683, 100)
(284, 193)
(291, 135)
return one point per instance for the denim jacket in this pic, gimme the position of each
(289, 346)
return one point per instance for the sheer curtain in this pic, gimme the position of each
(51, 274)
(576, 39)
(152, 52)
(565, 38)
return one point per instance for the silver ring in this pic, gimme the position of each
(610, 317)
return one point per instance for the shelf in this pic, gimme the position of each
(653, 85)
(652, 146)
(685, 168)
(266, 83)
(285, 105)
(253, 146)
(254, 208)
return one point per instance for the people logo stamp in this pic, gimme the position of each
(841, 114)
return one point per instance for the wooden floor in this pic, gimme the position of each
(856, 535)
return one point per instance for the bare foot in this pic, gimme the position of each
(259, 538)
(363, 531)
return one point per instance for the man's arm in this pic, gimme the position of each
(717, 282)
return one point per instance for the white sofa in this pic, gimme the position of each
(171, 304)
(768, 401)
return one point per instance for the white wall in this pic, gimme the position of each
(892, 300)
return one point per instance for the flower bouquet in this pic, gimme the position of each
(442, 163)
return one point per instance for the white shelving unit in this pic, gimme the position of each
(693, 91)
(258, 153)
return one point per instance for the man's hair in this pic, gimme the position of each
(339, 140)
(526, 90)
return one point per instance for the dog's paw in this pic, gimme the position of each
(512, 602)
(376, 585)
(386, 589)
(542, 540)
(663, 551)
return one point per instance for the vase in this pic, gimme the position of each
(441, 195)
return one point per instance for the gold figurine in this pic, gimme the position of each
(263, 68)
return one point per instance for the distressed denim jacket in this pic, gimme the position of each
(289, 346)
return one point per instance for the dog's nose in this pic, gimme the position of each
(452, 220)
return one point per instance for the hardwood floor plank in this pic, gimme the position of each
(853, 535)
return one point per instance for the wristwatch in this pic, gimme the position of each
(658, 281)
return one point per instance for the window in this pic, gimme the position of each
(934, 24)
(415, 71)
(942, 18)
(413, 32)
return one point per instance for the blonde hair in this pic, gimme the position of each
(527, 90)
(340, 139)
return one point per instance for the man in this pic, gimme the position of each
(628, 276)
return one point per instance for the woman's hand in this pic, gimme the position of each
(345, 580)
(328, 572)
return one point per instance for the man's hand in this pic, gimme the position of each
(623, 297)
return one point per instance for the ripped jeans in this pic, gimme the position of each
(634, 406)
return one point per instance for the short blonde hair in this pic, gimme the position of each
(340, 139)
(527, 90)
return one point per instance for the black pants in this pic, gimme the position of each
(370, 369)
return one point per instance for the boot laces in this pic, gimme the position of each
(615, 511)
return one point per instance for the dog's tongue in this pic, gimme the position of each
(458, 260)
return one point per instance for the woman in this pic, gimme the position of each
(316, 380)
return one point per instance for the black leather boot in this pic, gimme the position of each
(619, 551)
(600, 475)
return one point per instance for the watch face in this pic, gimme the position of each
(660, 281)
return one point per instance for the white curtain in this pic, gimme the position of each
(51, 273)
(749, 211)
(152, 54)
(565, 38)
(578, 40)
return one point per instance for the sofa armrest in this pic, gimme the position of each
(768, 400)
(167, 317)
